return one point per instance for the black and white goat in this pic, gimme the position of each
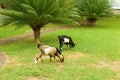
(63, 39)
(49, 50)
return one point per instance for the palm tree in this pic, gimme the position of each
(91, 10)
(37, 13)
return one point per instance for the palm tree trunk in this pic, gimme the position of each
(91, 21)
(37, 35)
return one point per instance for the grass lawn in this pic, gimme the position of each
(12, 30)
(96, 55)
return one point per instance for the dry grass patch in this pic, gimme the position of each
(75, 55)
(13, 61)
(59, 68)
(3, 59)
(35, 78)
(114, 65)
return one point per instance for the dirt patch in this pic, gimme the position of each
(14, 62)
(3, 59)
(76, 55)
(59, 68)
(35, 78)
(114, 65)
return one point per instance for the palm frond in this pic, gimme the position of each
(93, 8)
(13, 14)
(4, 20)
(40, 12)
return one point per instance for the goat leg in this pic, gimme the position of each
(55, 59)
(50, 58)
(61, 45)
(36, 59)
(40, 56)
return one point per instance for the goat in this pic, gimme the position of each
(63, 39)
(49, 50)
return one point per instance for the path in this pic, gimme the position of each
(3, 57)
(25, 36)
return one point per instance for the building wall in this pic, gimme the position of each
(117, 11)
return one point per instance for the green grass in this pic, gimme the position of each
(93, 45)
(13, 30)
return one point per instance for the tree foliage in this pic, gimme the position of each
(91, 10)
(94, 8)
(37, 13)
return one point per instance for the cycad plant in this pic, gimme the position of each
(91, 10)
(37, 13)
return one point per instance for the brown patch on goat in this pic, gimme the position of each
(76, 55)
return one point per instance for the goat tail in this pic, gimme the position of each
(38, 45)
(58, 50)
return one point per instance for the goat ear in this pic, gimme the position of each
(38, 45)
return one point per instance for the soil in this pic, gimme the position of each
(3, 57)
(76, 55)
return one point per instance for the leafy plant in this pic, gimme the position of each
(93, 9)
(37, 13)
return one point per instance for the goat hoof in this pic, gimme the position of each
(35, 61)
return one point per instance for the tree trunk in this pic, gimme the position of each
(91, 21)
(37, 35)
